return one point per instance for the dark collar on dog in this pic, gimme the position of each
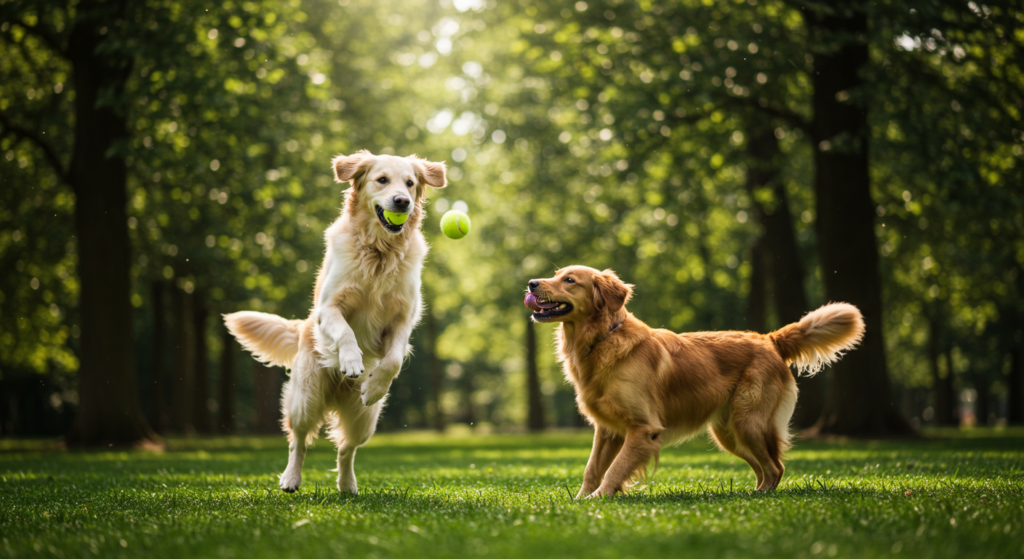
(610, 330)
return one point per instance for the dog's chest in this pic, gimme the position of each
(591, 397)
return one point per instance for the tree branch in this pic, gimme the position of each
(14, 12)
(23, 133)
(50, 40)
(793, 119)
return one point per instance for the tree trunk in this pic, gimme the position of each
(942, 386)
(226, 401)
(109, 407)
(982, 401)
(182, 383)
(200, 404)
(159, 355)
(1015, 413)
(859, 402)
(469, 412)
(757, 299)
(954, 398)
(535, 411)
(267, 388)
(781, 259)
(436, 374)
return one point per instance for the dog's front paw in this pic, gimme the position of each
(603, 492)
(349, 357)
(290, 481)
(373, 390)
(350, 364)
(347, 484)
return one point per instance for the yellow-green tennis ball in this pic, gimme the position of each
(395, 218)
(455, 224)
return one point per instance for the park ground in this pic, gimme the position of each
(946, 494)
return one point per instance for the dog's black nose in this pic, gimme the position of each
(401, 202)
(534, 284)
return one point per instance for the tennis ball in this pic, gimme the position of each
(395, 218)
(455, 224)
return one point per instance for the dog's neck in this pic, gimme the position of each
(579, 339)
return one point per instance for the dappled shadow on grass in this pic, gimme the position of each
(511, 496)
(479, 461)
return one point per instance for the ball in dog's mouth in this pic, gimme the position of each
(543, 308)
(386, 223)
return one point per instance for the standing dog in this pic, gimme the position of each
(644, 388)
(365, 306)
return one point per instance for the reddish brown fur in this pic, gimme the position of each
(643, 388)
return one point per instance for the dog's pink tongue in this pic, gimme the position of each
(532, 302)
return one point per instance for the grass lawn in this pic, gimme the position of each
(424, 495)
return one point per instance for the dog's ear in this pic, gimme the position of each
(350, 167)
(434, 174)
(610, 292)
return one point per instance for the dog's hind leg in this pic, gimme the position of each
(353, 427)
(722, 433)
(302, 405)
(756, 431)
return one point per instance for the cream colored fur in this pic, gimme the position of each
(345, 355)
(825, 335)
(271, 339)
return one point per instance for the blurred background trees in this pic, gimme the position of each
(741, 162)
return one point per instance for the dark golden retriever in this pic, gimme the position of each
(643, 388)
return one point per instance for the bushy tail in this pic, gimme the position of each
(271, 339)
(820, 338)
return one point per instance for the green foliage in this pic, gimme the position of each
(428, 496)
(602, 133)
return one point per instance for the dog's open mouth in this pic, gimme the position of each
(385, 223)
(543, 308)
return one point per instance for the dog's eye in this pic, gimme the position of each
(383, 180)
(569, 280)
(408, 183)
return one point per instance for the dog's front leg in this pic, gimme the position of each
(606, 448)
(641, 444)
(336, 342)
(378, 382)
(396, 347)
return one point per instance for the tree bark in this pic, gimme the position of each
(159, 383)
(182, 382)
(469, 412)
(436, 374)
(954, 398)
(226, 400)
(1015, 413)
(942, 386)
(757, 299)
(780, 255)
(109, 408)
(200, 405)
(859, 402)
(982, 400)
(267, 388)
(535, 410)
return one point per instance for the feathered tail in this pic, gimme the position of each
(820, 338)
(271, 339)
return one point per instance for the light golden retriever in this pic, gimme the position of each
(643, 388)
(365, 306)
